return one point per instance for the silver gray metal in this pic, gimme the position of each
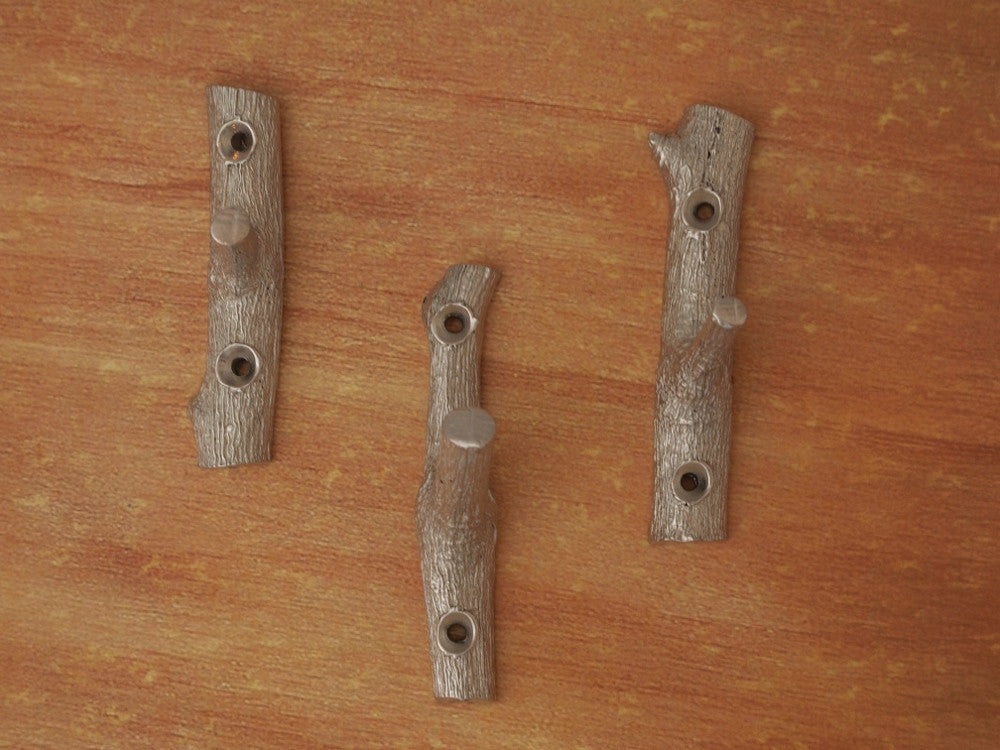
(233, 412)
(455, 509)
(705, 165)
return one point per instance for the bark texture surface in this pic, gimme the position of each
(705, 165)
(455, 510)
(234, 425)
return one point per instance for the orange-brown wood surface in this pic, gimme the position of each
(145, 602)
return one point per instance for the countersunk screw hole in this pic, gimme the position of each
(702, 209)
(454, 323)
(457, 633)
(236, 141)
(691, 482)
(237, 366)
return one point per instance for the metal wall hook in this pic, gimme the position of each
(705, 166)
(233, 412)
(455, 509)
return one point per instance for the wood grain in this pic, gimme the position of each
(147, 602)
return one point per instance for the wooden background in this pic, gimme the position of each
(145, 602)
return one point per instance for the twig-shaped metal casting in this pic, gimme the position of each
(455, 509)
(705, 165)
(233, 413)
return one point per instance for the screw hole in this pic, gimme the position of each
(457, 633)
(236, 141)
(237, 366)
(241, 141)
(241, 367)
(454, 323)
(702, 209)
(691, 482)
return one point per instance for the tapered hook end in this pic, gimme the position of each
(469, 428)
(729, 312)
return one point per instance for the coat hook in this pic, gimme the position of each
(233, 413)
(705, 166)
(455, 508)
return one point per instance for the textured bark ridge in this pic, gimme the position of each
(233, 420)
(455, 509)
(705, 165)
